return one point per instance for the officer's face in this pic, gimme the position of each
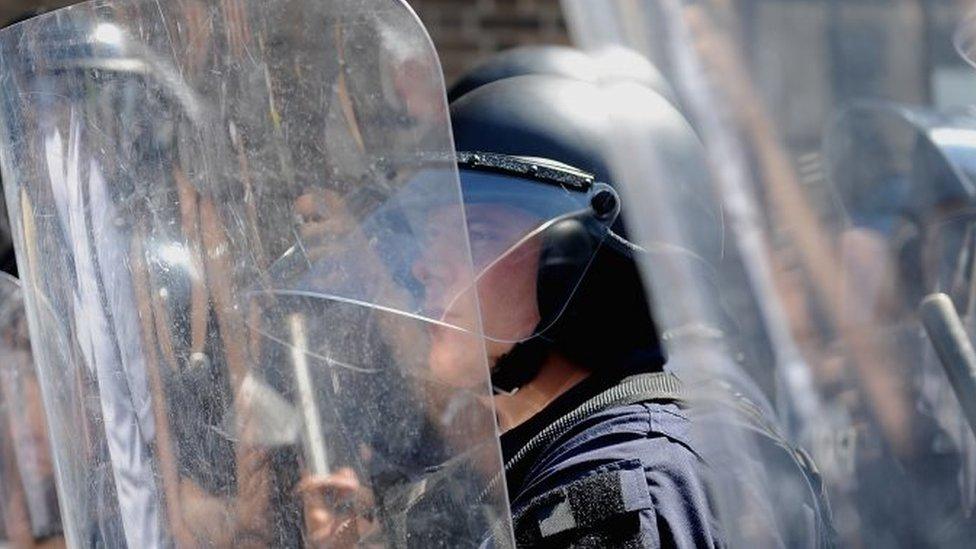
(505, 280)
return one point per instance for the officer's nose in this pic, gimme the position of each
(432, 273)
(420, 271)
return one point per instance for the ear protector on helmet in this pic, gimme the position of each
(540, 213)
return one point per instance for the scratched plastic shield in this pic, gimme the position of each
(165, 163)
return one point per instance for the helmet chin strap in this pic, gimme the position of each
(520, 365)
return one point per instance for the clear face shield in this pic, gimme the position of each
(30, 507)
(248, 277)
(838, 239)
(534, 229)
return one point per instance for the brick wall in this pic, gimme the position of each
(465, 31)
(14, 9)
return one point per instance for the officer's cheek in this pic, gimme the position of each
(507, 296)
(457, 358)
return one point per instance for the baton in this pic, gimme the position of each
(955, 351)
(318, 460)
(151, 314)
(252, 465)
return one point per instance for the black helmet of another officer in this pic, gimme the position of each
(606, 324)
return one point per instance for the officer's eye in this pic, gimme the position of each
(481, 232)
(480, 236)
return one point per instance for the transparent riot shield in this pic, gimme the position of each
(215, 208)
(29, 506)
(902, 182)
(838, 236)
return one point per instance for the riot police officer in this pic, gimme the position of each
(596, 439)
(595, 436)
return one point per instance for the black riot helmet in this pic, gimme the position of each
(606, 324)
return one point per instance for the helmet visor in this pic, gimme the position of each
(530, 241)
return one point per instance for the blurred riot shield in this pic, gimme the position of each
(215, 208)
(834, 238)
(902, 182)
(29, 505)
(964, 38)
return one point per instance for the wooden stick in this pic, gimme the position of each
(165, 445)
(345, 99)
(220, 276)
(253, 477)
(199, 295)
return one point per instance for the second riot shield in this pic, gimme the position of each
(844, 287)
(902, 178)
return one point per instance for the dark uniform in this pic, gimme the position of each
(626, 476)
